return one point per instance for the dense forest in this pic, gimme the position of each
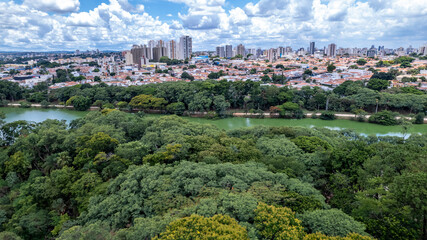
(117, 175)
(220, 96)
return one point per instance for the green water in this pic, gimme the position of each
(39, 115)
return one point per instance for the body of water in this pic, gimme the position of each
(39, 115)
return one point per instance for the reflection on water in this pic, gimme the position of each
(39, 115)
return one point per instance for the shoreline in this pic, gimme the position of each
(342, 116)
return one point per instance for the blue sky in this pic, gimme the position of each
(45, 25)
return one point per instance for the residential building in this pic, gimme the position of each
(312, 47)
(220, 51)
(332, 48)
(185, 47)
(241, 50)
(228, 51)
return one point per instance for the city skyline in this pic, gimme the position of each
(49, 25)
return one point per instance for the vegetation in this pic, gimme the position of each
(384, 118)
(118, 175)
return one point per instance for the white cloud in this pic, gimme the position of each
(61, 6)
(266, 23)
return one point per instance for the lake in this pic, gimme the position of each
(39, 115)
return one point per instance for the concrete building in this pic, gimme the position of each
(372, 52)
(423, 50)
(128, 58)
(241, 50)
(312, 47)
(172, 49)
(139, 51)
(159, 52)
(185, 47)
(272, 54)
(220, 51)
(332, 50)
(228, 51)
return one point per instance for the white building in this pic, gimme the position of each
(185, 47)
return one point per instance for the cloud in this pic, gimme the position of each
(62, 6)
(117, 24)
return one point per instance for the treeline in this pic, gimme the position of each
(200, 96)
(126, 176)
(222, 95)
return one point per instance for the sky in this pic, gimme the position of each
(52, 25)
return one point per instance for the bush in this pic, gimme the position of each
(4, 103)
(44, 104)
(108, 105)
(290, 110)
(386, 118)
(419, 118)
(25, 104)
(328, 115)
(360, 115)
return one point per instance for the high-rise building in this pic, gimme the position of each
(228, 51)
(281, 51)
(139, 51)
(272, 54)
(220, 51)
(241, 50)
(172, 50)
(423, 50)
(332, 49)
(158, 52)
(258, 52)
(151, 45)
(372, 52)
(128, 58)
(185, 47)
(312, 47)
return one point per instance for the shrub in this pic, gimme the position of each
(419, 118)
(44, 104)
(328, 115)
(108, 105)
(385, 117)
(25, 104)
(4, 103)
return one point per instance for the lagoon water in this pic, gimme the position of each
(39, 115)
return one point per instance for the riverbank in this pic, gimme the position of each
(342, 116)
(231, 123)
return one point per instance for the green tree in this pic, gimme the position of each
(79, 103)
(331, 68)
(198, 227)
(177, 108)
(332, 222)
(144, 101)
(220, 105)
(277, 223)
(385, 117)
(186, 75)
(410, 189)
(378, 84)
(361, 61)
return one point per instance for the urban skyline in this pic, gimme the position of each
(48, 25)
